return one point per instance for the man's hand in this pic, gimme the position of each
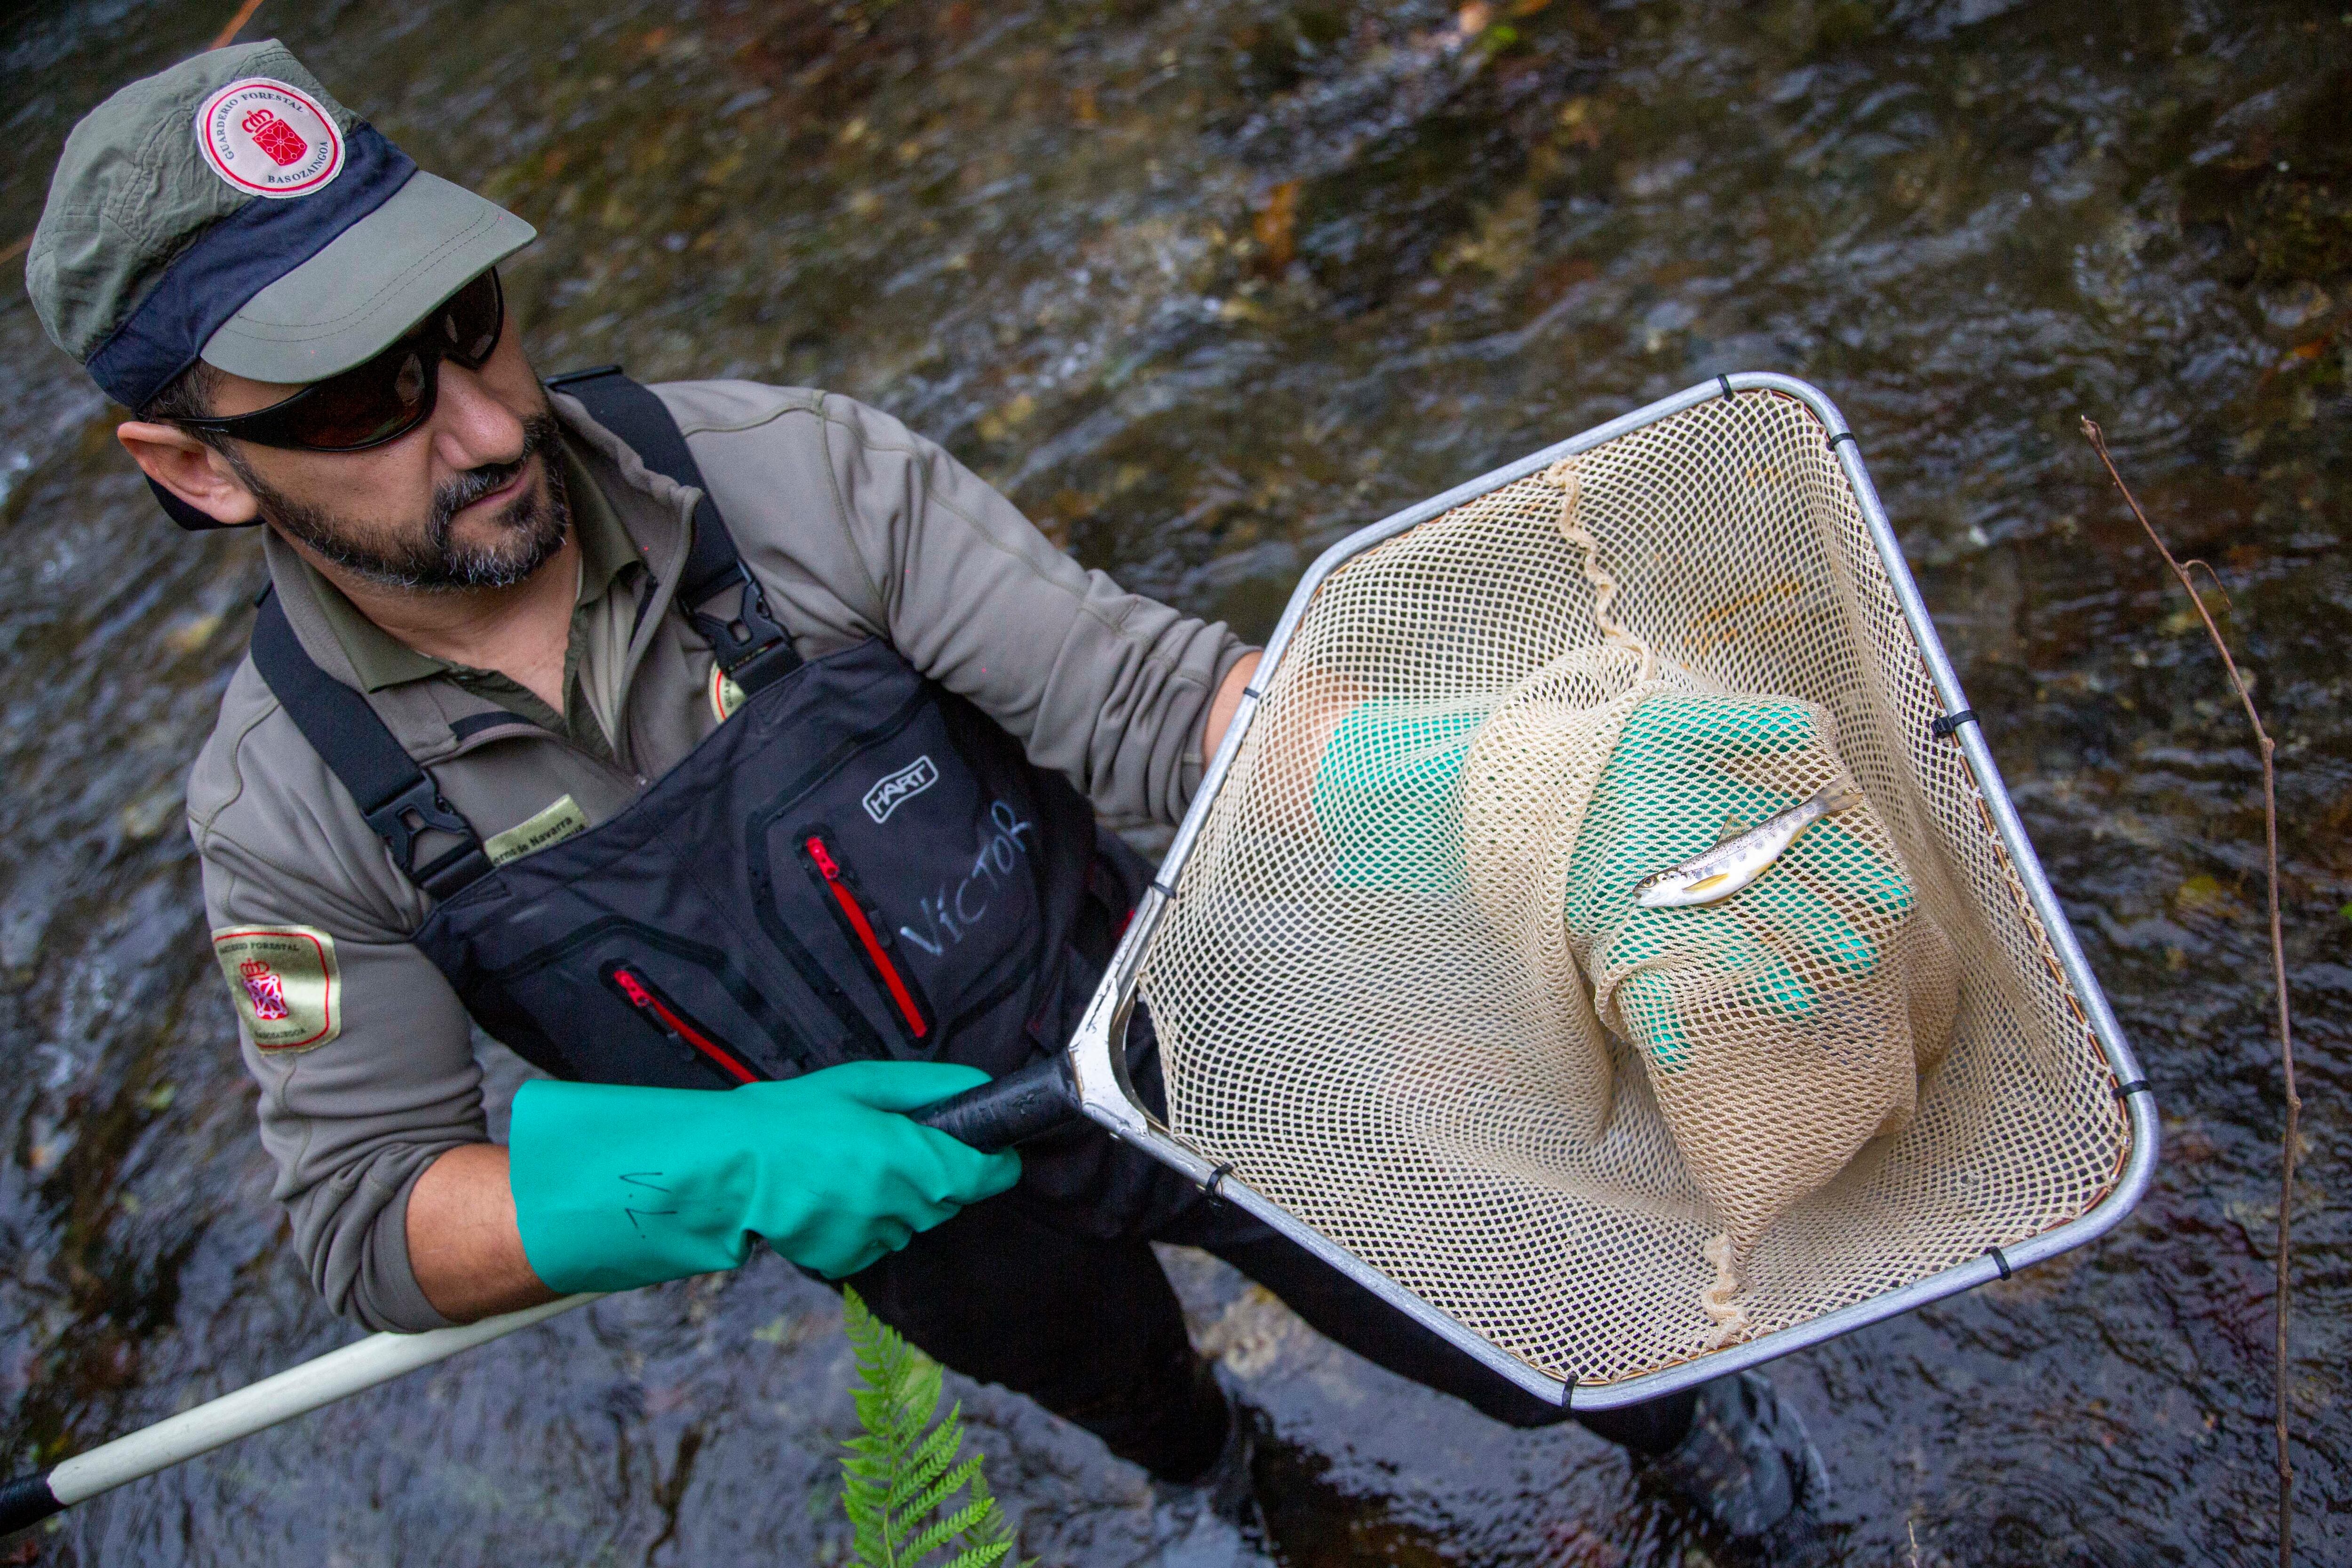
(616, 1187)
(605, 1187)
(1685, 770)
(1387, 796)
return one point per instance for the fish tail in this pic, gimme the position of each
(1834, 800)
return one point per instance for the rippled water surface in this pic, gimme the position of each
(1204, 287)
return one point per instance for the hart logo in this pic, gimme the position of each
(905, 785)
(268, 138)
(264, 990)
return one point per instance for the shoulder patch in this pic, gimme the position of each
(285, 982)
(551, 824)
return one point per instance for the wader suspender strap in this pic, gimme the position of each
(398, 795)
(398, 798)
(751, 649)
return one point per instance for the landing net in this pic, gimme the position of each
(1405, 1060)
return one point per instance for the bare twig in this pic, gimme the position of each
(2278, 977)
(227, 34)
(221, 40)
(2192, 563)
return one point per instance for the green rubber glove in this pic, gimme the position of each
(1385, 795)
(616, 1187)
(1681, 772)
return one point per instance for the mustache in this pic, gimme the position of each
(528, 530)
(539, 437)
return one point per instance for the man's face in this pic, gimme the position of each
(471, 498)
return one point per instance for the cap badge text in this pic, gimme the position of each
(268, 138)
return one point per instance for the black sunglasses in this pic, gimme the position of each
(389, 395)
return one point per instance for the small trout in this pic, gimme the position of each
(1721, 871)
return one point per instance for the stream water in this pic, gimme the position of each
(1203, 286)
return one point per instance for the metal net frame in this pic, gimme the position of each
(1378, 1074)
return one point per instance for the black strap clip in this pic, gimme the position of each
(401, 821)
(1947, 724)
(751, 649)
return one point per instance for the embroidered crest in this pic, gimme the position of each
(265, 989)
(270, 139)
(891, 790)
(285, 982)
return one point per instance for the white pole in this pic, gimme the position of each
(296, 1391)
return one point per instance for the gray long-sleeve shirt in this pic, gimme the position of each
(856, 528)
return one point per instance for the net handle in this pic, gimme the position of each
(1026, 1104)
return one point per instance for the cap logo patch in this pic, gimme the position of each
(270, 139)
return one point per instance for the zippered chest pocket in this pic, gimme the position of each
(910, 885)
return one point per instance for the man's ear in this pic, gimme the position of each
(188, 468)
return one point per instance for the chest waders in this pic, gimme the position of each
(856, 864)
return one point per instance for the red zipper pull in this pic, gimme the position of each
(892, 981)
(672, 1023)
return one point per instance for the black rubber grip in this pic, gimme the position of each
(1007, 1110)
(25, 1501)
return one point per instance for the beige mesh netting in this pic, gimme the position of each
(1382, 1005)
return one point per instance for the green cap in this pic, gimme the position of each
(229, 208)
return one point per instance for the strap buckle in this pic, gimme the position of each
(751, 647)
(406, 818)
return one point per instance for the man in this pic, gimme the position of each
(742, 781)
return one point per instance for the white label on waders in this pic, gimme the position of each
(905, 785)
(270, 139)
(551, 824)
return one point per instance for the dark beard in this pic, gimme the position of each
(529, 531)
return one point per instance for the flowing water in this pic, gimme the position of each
(1203, 286)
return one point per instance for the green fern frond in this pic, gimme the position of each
(985, 1557)
(992, 1529)
(988, 1540)
(902, 1471)
(937, 1492)
(942, 1531)
(926, 1463)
